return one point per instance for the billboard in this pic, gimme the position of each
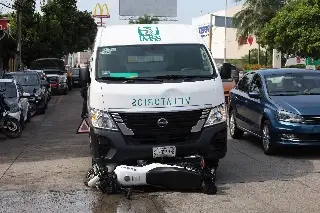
(159, 8)
(103, 11)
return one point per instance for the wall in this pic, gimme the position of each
(234, 51)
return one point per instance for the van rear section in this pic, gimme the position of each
(155, 93)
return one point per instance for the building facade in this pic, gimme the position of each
(234, 50)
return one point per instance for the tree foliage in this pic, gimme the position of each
(254, 15)
(145, 20)
(59, 30)
(295, 30)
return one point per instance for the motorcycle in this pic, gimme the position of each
(10, 126)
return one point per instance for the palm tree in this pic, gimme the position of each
(254, 15)
(145, 20)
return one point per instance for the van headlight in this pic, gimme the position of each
(285, 116)
(102, 120)
(216, 115)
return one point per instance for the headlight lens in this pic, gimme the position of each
(289, 117)
(14, 108)
(38, 92)
(102, 120)
(216, 115)
(62, 78)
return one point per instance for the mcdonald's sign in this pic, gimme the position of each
(103, 12)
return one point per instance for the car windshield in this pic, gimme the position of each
(27, 80)
(8, 90)
(154, 61)
(75, 71)
(293, 84)
(53, 72)
(53, 79)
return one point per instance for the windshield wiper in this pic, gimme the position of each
(183, 76)
(285, 93)
(128, 80)
(311, 93)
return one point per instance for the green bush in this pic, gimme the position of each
(301, 66)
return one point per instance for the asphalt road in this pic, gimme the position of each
(43, 171)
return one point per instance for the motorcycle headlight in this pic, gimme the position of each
(102, 120)
(14, 108)
(216, 115)
(285, 116)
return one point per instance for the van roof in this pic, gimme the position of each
(121, 35)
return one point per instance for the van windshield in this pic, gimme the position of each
(154, 61)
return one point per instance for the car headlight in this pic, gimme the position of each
(62, 78)
(216, 115)
(102, 120)
(38, 92)
(289, 117)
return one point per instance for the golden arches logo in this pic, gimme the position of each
(101, 11)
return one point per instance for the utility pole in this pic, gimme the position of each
(225, 33)
(210, 32)
(19, 4)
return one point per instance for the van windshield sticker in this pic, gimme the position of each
(124, 75)
(149, 34)
(107, 51)
(161, 102)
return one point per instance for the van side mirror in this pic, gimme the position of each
(225, 72)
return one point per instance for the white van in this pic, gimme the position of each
(155, 92)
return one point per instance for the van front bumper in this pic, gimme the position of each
(112, 146)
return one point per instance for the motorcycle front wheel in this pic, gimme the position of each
(12, 128)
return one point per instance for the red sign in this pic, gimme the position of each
(250, 40)
(298, 60)
(4, 23)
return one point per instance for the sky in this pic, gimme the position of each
(187, 9)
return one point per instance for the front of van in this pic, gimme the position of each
(155, 92)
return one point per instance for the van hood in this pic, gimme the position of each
(156, 97)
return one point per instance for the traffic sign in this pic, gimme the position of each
(84, 127)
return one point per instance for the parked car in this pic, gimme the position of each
(31, 83)
(53, 67)
(280, 106)
(44, 82)
(76, 77)
(15, 100)
(58, 84)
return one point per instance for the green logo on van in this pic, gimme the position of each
(149, 34)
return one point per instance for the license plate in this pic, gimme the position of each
(76, 81)
(165, 151)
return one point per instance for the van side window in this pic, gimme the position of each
(244, 83)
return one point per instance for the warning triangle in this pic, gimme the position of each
(84, 127)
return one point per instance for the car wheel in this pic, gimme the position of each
(235, 132)
(22, 120)
(29, 116)
(42, 110)
(267, 143)
(65, 92)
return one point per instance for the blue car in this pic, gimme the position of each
(280, 106)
